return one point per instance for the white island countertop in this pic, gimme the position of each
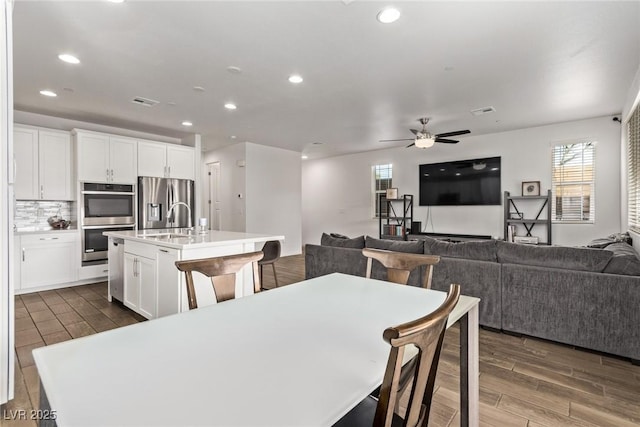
(177, 239)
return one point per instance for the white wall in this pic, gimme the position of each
(232, 183)
(59, 123)
(336, 190)
(274, 194)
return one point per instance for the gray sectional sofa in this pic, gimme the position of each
(586, 297)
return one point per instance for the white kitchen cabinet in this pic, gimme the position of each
(17, 262)
(169, 295)
(140, 287)
(162, 160)
(43, 164)
(106, 158)
(47, 259)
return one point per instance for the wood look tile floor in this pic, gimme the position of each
(523, 381)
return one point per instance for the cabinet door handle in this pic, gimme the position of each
(163, 250)
(135, 267)
(107, 175)
(169, 174)
(111, 175)
(41, 191)
(23, 252)
(48, 238)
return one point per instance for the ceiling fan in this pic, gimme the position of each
(424, 139)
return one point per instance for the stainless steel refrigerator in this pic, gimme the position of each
(156, 196)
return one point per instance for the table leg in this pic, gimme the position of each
(469, 369)
(47, 417)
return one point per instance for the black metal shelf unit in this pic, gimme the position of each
(395, 221)
(514, 215)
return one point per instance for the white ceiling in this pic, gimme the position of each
(536, 62)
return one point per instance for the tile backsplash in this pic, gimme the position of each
(34, 213)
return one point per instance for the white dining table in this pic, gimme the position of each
(299, 355)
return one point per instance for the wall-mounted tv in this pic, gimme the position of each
(461, 183)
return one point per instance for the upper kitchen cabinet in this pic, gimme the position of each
(162, 160)
(43, 164)
(106, 158)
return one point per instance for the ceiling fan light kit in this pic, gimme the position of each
(424, 138)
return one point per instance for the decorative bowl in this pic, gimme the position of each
(58, 223)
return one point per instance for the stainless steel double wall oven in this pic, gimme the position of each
(105, 207)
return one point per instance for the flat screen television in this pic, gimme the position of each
(461, 183)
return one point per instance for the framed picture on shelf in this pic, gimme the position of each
(392, 193)
(529, 188)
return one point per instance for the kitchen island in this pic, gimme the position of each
(152, 286)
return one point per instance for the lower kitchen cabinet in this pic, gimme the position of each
(140, 293)
(47, 259)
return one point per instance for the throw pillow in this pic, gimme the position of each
(481, 251)
(624, 261)
(601, 243)
(355, 243)
(414, 247)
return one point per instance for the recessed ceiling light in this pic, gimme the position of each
(295, 78)
(233, 137)
(187, 123)
(230, 106)
(68, 58)
(458, 173)
(304, 157)
(234, 70)
(116, 1)
(48, 93)
(198, 89)
(388, 15)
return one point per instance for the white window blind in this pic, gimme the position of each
(381, 180)
(633, 169)
(573, 182)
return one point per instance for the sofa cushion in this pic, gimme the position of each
(414, 247)
(624, 261)
(340, 242)
(568, 258)
(480, 251)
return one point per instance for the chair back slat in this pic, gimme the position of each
(400, 264)
(222, 272)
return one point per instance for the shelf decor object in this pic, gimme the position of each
(392, 193)
(530, 188)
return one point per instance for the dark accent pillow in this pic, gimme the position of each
(600, 243)
(355, 243)
(413, 246)
(338, 236)
(581, 259)
(481, 251)
(624, 261)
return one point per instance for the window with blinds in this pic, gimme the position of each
(633, 169)
(573, 183)
(381, 180)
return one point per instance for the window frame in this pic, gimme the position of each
(632, 126)
(379, 194)
(591, 183)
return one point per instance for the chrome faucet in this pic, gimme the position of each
(170, 213)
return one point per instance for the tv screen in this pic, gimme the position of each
(465, 182)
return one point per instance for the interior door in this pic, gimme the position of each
(214, 202)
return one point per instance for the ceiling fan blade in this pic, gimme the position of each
(410, 145)
(415, 132)
(396, 140)
(446, 141)
(456, 133)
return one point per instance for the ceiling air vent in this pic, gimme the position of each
(144, 101)
(483, 110)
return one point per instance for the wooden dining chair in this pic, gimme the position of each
(222, 272)
(427, 334)
(271, 250)
(400, 264)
